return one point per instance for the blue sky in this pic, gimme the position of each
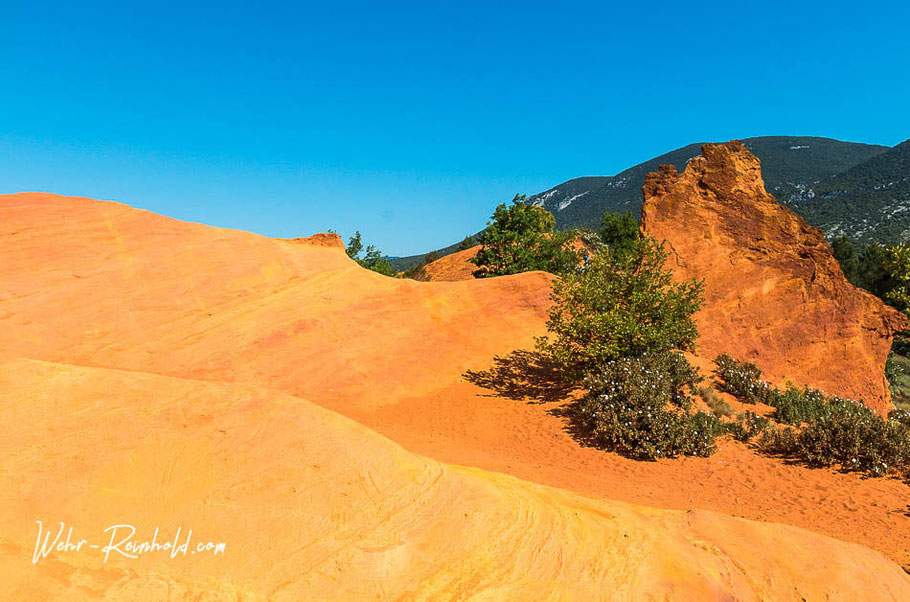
(411, 121)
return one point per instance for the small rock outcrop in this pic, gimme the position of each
(774, 293)
(320, 239)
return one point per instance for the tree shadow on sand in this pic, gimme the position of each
(523, 375)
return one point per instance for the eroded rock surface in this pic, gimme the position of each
(775, 294)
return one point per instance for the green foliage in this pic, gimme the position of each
(372, 258)
(620, 232)
(830, 430)
(464, 245)
(792, 405)
(620, 306)
(590, 239)
(354, 246)
(897, 264)
(621, 323)
(414, 272)
(753, 424)
(521, 238)
(848, 258)
(796, 406)
(867, 202)
(742, 380)
(859, 441)
(629, 409)
(866, 269)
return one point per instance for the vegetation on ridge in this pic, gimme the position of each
(521, 238)
(372, 258)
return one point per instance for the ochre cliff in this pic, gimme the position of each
(774, 293)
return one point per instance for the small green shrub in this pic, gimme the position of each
(897, 371)
(901, 415)
(620, 306)
(861, 441)
(590, 239)
(742, 380)
(831, 430)
(635, 407)
(782, 441)
(855, 441)
(747, 426)
(754, 424)
(468, 242)
(372, 258)
(796, 406)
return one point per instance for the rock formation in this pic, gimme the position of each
(775, 294)
(166, 372)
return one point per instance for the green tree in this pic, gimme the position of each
(619, 231)
(897, 264)
(521, 238)
(354, 246)
(467, 243)
(623, 305)
(874, 276)
(372, 258)
(846, 255)
(620, 327)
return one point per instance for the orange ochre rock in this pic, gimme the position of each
(774, 293)
(451, 268)
(164, 374)
(320, 239)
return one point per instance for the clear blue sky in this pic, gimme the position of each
(410, 121)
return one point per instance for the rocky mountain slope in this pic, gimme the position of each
(774, 293)
(110, 300)
(868, 202)
(791, 164)
(793, 168)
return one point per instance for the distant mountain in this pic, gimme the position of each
(798, 170)
(790, 167)
(869, 201)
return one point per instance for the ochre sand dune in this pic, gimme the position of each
(101, 284)
(312, 505)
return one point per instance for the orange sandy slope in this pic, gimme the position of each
(312, 505)
(451, 268)
(101, 284)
